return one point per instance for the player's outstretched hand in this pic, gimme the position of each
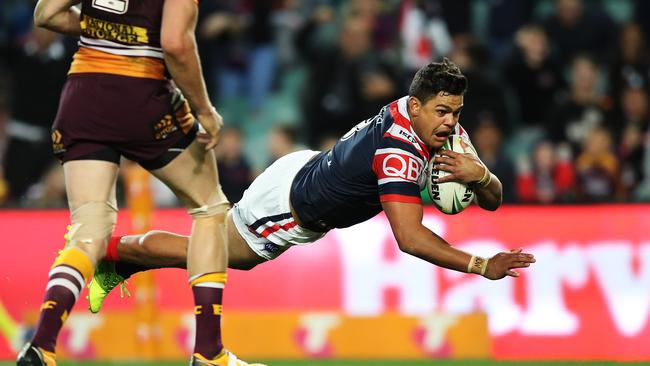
(211, 123)
(462, 168)
(502, 264)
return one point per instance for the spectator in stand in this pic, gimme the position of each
(533, 75)
(328, 143)
(424, 35)
(574, 28)
(458, 15)
(381, 19)
(345, 83)
(287, 20)
(49, 191)
(631, 64)
(216, 27)
(488, 139)
(642, 14)
(551, 177)
(281, 141)
(262, 57)
(16, 19)
(235, 173)
(631, 132)
(245, 34)
(38, 67)
(505, 18)
(597, 168)
(582, 109)
(483, 93)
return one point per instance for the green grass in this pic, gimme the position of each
(358, 363)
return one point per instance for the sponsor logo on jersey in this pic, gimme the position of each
(407, 136)
(397, 165)
(123, 33)
(400, 133)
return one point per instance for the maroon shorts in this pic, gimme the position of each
(104, 117)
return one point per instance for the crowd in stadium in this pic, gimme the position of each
(557, 104)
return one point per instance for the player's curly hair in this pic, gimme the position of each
(438, 77)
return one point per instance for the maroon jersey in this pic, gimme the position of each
(121, 37)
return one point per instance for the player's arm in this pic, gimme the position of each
(468, 169)
(60, 16)
(178, 42)
(415, 239)
(489, 191)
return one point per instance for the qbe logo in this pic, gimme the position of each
(401, 166)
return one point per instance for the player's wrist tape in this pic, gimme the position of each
(486, 179)
(477, 265)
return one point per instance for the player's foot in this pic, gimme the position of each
(34, 356)
(104, 281)
(225, 358)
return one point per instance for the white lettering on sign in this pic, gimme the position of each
(547, 313)
(469, 293)
(626, 293)
(367, 274)
(619, 269)
(80, 326)
(317, 327)
(436, 327)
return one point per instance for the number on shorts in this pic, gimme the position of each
(112, 6)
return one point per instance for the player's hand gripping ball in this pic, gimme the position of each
(450, 197)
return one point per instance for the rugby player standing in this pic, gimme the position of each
(119, 101)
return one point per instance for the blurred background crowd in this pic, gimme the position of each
(557, 104)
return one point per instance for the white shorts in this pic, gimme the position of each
(263, 215)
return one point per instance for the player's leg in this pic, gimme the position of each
(130, 254)
(192, 175)
(164, 249)
(250, 224)
(90, 186)
(154, 249)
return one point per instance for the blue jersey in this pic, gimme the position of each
(380, 160)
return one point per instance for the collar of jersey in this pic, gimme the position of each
(403, 119)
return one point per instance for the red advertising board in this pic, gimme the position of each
(587, 297)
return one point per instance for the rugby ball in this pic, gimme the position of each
(450, 197)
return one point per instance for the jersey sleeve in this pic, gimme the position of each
(398, 169)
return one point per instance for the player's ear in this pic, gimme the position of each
(414, 106)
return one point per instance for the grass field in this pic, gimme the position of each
(359, 363)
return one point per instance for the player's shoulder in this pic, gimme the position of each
(397, 132)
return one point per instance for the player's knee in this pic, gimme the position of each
(92, 226)
(214, 208)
